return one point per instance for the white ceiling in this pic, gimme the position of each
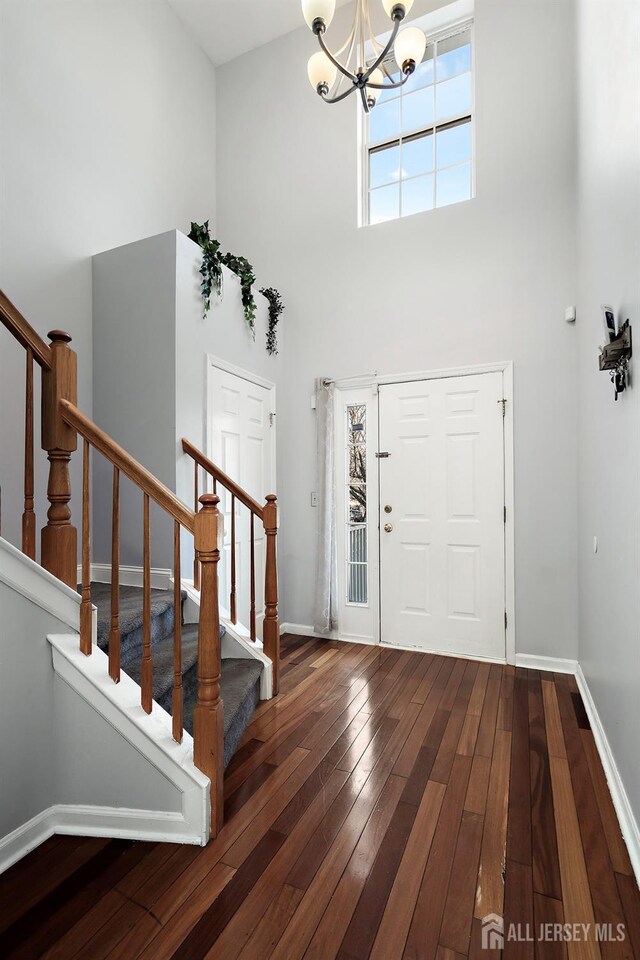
(228, 28)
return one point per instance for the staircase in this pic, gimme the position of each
(177, 665)
(239, 678)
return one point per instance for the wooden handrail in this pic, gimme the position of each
(128, 465)
(222, 478)
(24, 332)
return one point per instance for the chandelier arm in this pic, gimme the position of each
(381, 56)
(335, 62)
(365, 103)
(347, 41)
(340, 96)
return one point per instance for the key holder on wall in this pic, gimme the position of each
(615, 356)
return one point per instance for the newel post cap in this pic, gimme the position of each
(59, 336)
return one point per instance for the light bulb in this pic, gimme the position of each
(390, 5)
(372, 94)
(409, 47)
(313, 10)
(322, 73)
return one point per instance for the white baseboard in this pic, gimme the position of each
(555, 664)
(129, 576)
(88, 821)
(626, 819)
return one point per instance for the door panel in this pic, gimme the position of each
(442, 562)
(240, 443)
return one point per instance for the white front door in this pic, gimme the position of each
(241, 416)
(442, 574)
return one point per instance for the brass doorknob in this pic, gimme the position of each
(388, 527)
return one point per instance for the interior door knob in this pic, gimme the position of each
(388, 527)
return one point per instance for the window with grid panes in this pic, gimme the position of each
(418, 139)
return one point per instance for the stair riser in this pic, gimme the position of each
(131, 643)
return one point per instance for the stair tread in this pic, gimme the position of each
(238, 675)
(130, 608)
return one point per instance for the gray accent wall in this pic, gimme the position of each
(609, 436)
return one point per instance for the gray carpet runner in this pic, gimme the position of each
(240, 680)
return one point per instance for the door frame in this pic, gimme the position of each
(213, 362)
(504, 367)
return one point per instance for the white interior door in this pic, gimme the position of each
(442, 575)
(241, 437)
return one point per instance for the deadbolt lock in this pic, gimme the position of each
(388, 527)
(388, 508)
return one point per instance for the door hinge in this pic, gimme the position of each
(383, 455)
(272, 418)
(504, 406)
(505, 515)
(505, 619)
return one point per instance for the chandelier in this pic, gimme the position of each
(368, 74)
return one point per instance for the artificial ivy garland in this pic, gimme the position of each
(276, 307)
(211, 272)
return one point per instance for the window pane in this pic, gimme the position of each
(417, 156)
(357, 463)
(453, 185)
(454, 56)
(384, 121)
(453, 145)
(391, 93)
(358, 543)
(357, 423)
(453, 97)
(417, 195)
(356, 583)
(384, 203)
(422, 75)
(384, 166)
(357, 503)
(417, 110)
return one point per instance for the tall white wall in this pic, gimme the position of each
(609, 440)
(150, 332)
(107, 126)
(482, 281)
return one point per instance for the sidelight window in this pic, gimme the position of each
(356, 504)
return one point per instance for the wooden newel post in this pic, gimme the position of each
(271, 624)
(59, 538)
(208, 718)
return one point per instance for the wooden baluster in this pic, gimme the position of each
(252, 610)
(208, 721)
(196, 564)
(58, 544)
(85, 606)
(28, 517)
(176, 702)
(114, 629)
(271, 624)
(146, 680)
(232, 595)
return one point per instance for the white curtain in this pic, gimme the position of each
(325, 614)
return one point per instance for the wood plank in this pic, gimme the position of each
(455, 932)
(490, 893)
(555, 738)
(518, 905)
(576, 895)
(396, 919)
(544, 846)
(423, 936)
(548, 910)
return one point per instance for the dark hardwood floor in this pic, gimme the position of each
(380, 807)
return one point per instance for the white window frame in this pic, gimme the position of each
(365, 147)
